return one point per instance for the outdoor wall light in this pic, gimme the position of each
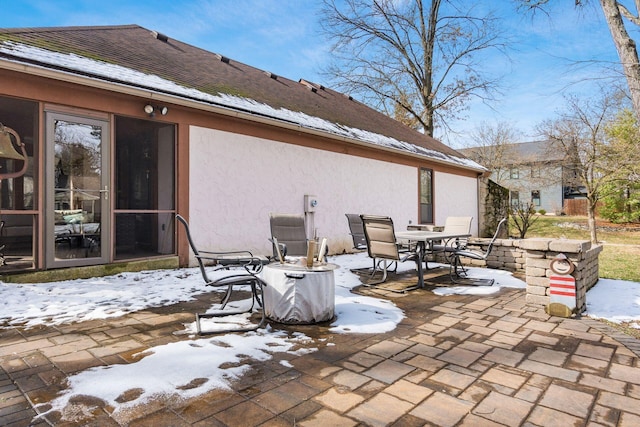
(151, 110)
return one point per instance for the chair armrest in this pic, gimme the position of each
(281, 246)
(235, 259)
(457, 243)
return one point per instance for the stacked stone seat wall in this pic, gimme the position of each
(531, 260)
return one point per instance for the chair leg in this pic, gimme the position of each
(453, 268)
(226, 297)
(385, 271)
(256, 288)
(256, 297)
(376, 269)
(371, 271)
(456, 267)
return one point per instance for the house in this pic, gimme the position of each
(536, 173)
(125, 127)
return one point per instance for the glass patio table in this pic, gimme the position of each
(422, 239)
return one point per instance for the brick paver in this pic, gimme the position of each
(504, 357)
(503, 409)
(459, 356)
(541, 416)
(349, 379)
(380, 410)
(339, 400)
(442, 410)
(408, 391)
(625, 373)
(568, 400)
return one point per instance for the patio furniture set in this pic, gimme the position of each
(296, 285)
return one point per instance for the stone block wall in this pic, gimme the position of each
(540, 253)
(532, 258)
(505, 255)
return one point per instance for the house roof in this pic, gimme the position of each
(132, 56)
(537, 151)
(521, 153)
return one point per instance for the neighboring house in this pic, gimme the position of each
(125, 127)
(535, 172)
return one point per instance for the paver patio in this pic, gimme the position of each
(453, 361)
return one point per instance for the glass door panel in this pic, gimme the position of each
(77, 191)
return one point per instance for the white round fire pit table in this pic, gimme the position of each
(296, 294)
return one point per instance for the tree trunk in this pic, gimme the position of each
(429, 32)
(591, 220)
(626, 48)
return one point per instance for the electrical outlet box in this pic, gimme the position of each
(310, 203)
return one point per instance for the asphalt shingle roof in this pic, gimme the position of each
(523, 152)
(136, 48)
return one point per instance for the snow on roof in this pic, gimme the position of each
(118, 73)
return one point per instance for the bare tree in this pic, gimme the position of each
(523, 216)
(614, 12)
(490, 145)
(581, 132)
(415, 60)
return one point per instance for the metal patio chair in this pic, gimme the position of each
(457, 271)
(383, 247)
(246, 266)
(453, 224)
(356, 230)
(290, 233)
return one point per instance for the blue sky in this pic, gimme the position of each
(282, 36)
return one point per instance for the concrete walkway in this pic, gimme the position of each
(454, 361)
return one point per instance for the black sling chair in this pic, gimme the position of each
(248, 265)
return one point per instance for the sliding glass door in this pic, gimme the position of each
(77, 191)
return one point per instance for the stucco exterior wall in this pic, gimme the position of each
(236, 181)
(455, 195)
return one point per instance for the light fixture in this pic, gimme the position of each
(151, 110)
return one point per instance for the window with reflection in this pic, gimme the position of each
(535, 197)
(515, 198)
(426, 196)
(76, 179)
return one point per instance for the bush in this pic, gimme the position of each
(542, 212)
(523, 216)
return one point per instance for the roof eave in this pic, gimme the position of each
(150, 94)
